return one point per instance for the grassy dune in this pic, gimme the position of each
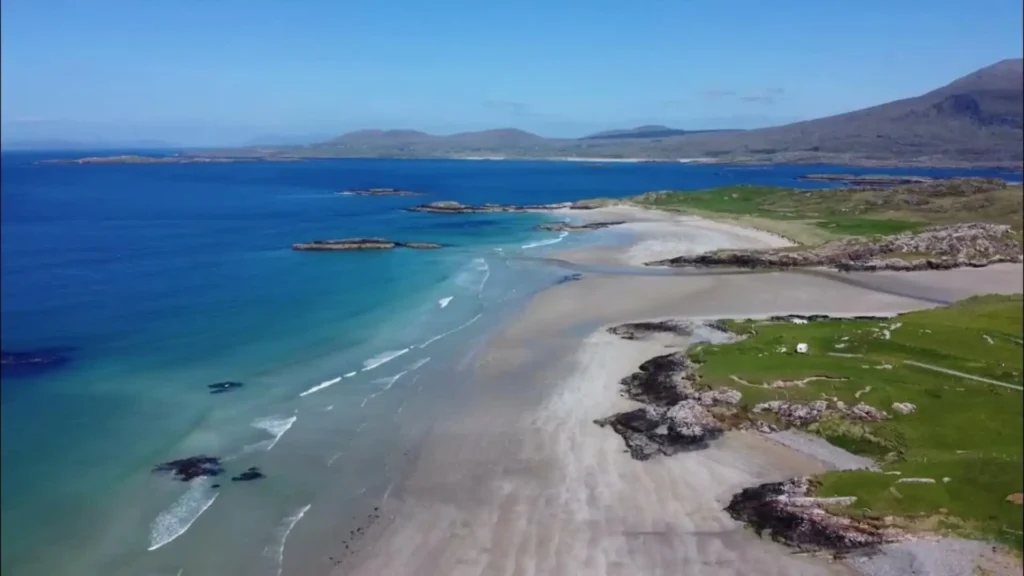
(968, 431)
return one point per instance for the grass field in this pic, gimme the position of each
(815, 216)
(965, 430)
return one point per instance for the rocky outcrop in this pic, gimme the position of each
(661, 381)
(566, 227)
(935, 248)
(805, 413)
(380, 192)
(451, 207)
(867, 179)
(792, 517)
(642, 330)
(191, 468)
(656, 430)
(224, 387)
(349, 244)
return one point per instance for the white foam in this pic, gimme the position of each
(387, 382)
(382, 358)
(275, 426)
(417, 364)
(349, 375)
(452, 331)
(545, 242)
(444, 301)
(474, 276)
(177, 519)
(321, 386)
(276, 551)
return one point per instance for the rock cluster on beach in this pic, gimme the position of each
(349, 244)
(653, 430)
(785, 510)
(567, 227)
(805, 413)
(452, 207)
(641, 330)
(934, 248)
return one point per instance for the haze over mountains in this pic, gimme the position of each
(977, 119)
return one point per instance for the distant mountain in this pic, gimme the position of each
(649, 131)
(977, 120)
(60, 144)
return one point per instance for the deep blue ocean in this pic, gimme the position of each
(155, 281)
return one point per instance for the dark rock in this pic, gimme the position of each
(222, 387)
(349, 244)
(569, 278)
(250, 474)
(566, 227)
(641, 330)
(192, 467)
(380, 192)
(868, 179)
(216, 486)
(33, 362)
(784, 510)
(935, 248)
(661, 381)
(655, 430)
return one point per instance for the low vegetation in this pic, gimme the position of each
(964, 434)
(816, 216)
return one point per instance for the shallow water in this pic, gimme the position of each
(160, 280)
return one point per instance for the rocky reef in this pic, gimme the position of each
(642, 330)
(934, 248)
(566, 227)
(250, 474)
(348, 244)
(451, 207)
(33, 361)
(792, 517)
(380, 192)
(224, 387)
(190, 468)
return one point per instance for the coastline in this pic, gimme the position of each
(525, 483)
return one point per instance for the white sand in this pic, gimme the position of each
(526, 484)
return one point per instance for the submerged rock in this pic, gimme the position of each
(348, 244)
(252, 473)
(33, 361)
(654, 430)
(222, 387)
(791, 517)
(191, 468)
(570, 278)
(566, 227)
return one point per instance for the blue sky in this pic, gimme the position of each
(222, 71)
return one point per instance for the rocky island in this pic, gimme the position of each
(350, 244)
(452, 207)
(380, 192)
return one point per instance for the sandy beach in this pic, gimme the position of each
(523, 482)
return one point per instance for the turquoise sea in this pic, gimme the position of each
(155, 281)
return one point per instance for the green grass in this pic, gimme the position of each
(851, 212)
(968, 431)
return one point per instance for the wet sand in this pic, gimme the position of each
(523, 482)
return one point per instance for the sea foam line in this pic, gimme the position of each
(321, 386)
(538, 243)
(444, 301)
(452, 331)
(382, 358)
(276, 427)
(388, 383)
(179, 517)
(417, 364)
(277, 551)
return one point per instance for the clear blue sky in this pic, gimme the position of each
(221, 71)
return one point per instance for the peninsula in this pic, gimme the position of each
(353, 244)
